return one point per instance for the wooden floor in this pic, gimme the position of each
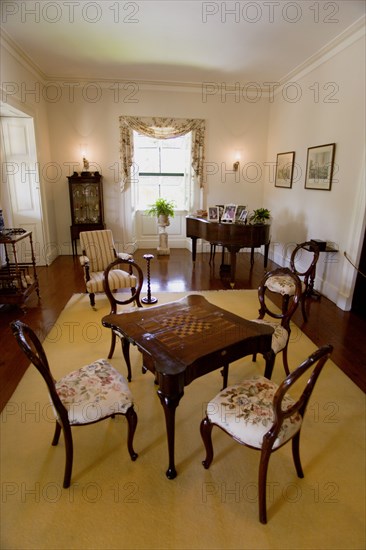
(327, 323)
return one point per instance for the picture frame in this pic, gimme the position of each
(241, 214)
(221, 210)
(213, 214)
(319, 167)
(285, 169)
(229, 213)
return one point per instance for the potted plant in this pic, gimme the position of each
(162, 209)
(260, 215)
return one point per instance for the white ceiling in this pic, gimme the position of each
(187, 41)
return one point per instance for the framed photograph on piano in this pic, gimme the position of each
(221, 210)
(229, 213)
(240, 215)
(213, 213)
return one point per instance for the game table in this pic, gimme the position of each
(183, 340)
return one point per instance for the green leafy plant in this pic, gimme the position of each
(161, 207)
(260, 215)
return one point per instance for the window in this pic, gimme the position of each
(163, 169)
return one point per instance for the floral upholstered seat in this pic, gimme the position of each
(94, 392)
(245, 411)
(282, 284)
(261, 414)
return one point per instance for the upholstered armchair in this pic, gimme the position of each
(98, 251)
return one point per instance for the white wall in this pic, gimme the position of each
(87, 113)
(229, 127)
(21, 88)
(337, 216)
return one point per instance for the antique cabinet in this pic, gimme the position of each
(86, 204)
(18, 277)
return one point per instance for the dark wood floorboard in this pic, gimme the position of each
(327, 323)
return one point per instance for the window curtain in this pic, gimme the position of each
(161, 128)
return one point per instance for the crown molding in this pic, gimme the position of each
(18, 53)
(340, 42)
(343, 40)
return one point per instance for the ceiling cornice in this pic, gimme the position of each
(343, 40)
(352, 33)
(16, 51)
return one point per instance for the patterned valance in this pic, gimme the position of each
(161, 128)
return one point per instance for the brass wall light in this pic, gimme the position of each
(236, 160)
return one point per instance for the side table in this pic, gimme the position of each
(18, 279)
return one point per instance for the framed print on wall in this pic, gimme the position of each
(285, 169)
(319, 167)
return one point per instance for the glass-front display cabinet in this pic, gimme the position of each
(86, 203)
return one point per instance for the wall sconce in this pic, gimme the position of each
(236, 161)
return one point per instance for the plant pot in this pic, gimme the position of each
(163, 220)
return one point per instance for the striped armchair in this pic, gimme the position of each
(98, 251)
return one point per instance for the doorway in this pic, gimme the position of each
(20, 184)
(359, 294)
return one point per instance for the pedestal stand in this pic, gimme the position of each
(149, 299)
(163, 248)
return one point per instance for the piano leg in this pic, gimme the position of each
(233, 268)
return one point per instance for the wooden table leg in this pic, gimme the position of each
(169, 406)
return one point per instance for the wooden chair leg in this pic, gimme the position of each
(262, 483)
(113, 344)
(296, 454)
(285, 360)
(206, 429)
(57, 433)
(92, 299)
(225, 374)
(270, 361)
(132, 423)
(303, 308)
(285, 301)
(69, 455)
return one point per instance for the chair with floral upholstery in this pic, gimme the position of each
(303, 262)
(98, 251)
(263, 416)
(120, 299)
(84, 396)
(278, 320)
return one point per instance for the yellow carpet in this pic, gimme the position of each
(114, 503)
